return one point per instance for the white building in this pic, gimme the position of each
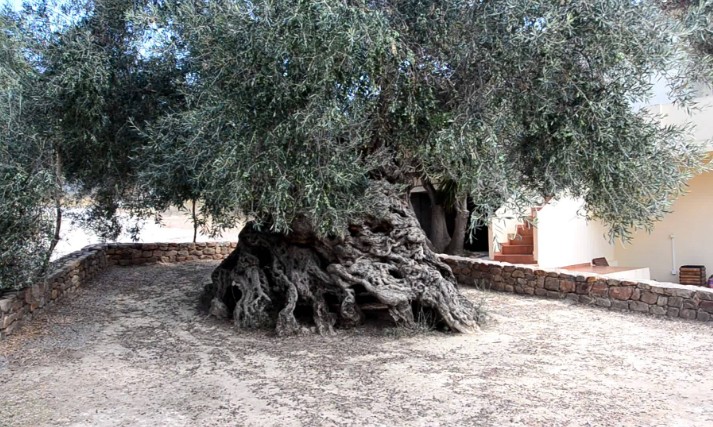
(564, 238)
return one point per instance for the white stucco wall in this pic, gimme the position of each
(565, 238)
(691, 224)
(701, 118)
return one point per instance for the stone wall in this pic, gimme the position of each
(78, 268)
(656, 298)
(662, 299)
(147, 253)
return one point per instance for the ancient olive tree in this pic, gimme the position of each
(314, 118)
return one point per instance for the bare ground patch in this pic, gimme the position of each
(133, 350)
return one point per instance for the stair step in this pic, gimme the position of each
(522, 240)
(515, 259)
(519, 249)
(525, 230)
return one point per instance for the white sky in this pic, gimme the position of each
(15, 4)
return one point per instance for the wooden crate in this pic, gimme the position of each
(693, 275)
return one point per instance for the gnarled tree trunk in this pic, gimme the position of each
(382, 260)
(456, 246)
(440, 238)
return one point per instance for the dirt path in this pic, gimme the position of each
(133, 350)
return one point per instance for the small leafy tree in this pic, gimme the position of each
(27, 182)
(97, 85)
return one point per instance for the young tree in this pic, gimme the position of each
(315, 117)
(27, 182)
(98, 83)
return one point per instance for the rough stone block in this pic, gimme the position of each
(518, 273)
(690, 304)
(554, 295)
(540, 292)
(602, 302)
(649, 297)
(567, 286)
(639, 306)
(676, 302)
(673, 312)
(662, 301)
(599, 289)
(552, 284)
(706, 306)
(683, 293)
(583, 288)
(703, 316)
(627, 283)
(586, 299)
(620, 305)
(7, 320)
(572, 297)
(6, 304)
(688, 314)
(704, 295)
(657, 310)
(621, 293)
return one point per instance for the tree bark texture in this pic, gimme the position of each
(440, 238)
(456, 246)
(290, 281)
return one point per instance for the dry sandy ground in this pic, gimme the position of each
(133, 350)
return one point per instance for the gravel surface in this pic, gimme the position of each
(133, 350)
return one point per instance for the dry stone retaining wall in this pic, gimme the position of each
(656, 298)
(78, 268)
(661, 299)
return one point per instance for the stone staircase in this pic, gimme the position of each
(518, 250)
